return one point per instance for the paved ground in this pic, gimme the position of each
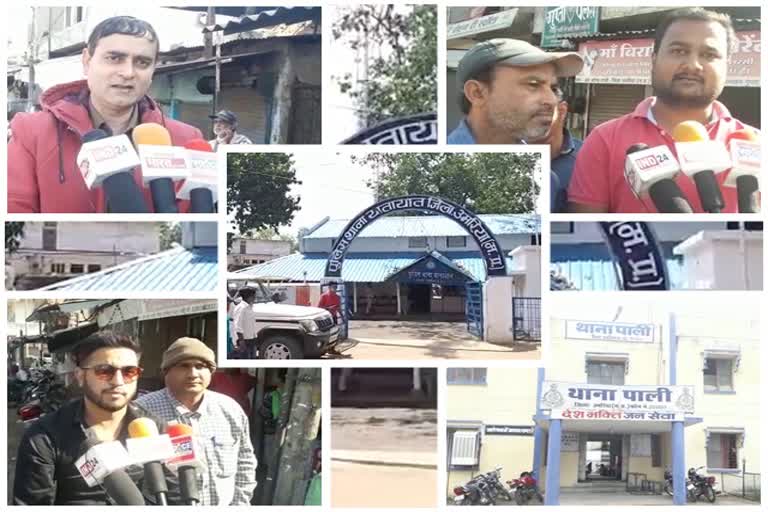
(407, 340)
(15, 431)
(585, 498)
(383, 457)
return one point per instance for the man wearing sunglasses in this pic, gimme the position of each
(107, 371)
(219, 423)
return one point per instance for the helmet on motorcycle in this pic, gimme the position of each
(691, 473)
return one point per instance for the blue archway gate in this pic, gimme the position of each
(637, 257)
(493, 255)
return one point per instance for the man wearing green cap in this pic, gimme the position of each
(219, 424)
(508, 92)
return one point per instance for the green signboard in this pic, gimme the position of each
(564, 22)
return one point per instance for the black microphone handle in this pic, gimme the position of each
(709, 191)
(154, 479)
(668, 198)
(190, 494)
(119, 486)
(123, 194)
(163, 195)
(201, 200)
(747, 191)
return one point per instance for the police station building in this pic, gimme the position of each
(632, 389)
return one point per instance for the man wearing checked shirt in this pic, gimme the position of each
(218, 422)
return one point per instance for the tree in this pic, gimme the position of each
(257, 191)
(402, 79)
(170, 232)
(14, 232)
(500, 183)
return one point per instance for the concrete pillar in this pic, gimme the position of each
(552, 495)
(399, 305)
(678, 462)
(417, 379)
(538, 432)
(354, 293)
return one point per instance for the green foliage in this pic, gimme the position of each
(257, 191)
(170, 232)
(14, 231)
(402, 80)
(500, 183)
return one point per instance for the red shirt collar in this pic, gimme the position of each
(719, 111)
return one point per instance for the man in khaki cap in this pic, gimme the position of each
(508, 91)
(219, 424)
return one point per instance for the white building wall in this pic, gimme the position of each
(589, 232)
(135, 237)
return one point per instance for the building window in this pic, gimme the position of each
(93, 268)
(76, 268)
(723, 451)
(718, 375)
(606, 372)
(656, 450)
(417, 242)
(463, 448)
(49, 236)
(242, 247)
(58, 268)
(561, 228)
(476, 376)
(456, 241)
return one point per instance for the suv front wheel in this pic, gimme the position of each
(281, 347)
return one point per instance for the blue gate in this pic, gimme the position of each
(474, 308)
(526, 318)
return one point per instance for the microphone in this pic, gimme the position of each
(652, 171)
(103, 464)
(745, 156)
(108, 162)
(185, 461)
(147, 446)
(201, 185)
(161, 164)
(701, 158)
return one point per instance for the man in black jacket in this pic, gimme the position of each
(107, 371)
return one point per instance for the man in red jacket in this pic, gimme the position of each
(118, 63)
(331, 302)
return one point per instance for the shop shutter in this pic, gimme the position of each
(610, 101)
(251, 111)
(465, 450)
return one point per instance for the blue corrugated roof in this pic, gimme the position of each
(359, 267)
(178, 269)
(430, 225)
(590, 267)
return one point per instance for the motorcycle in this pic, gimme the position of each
(526, 488)
(475, 492)
(696, 485)
(44, 395)
(493, 478)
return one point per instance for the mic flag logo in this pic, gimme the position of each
(638, 260)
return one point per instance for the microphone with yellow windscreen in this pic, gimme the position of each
(700, 158)
(161, 164)
(147, 445)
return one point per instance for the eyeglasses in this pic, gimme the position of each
(107, 372)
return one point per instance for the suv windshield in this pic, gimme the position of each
(262, 292)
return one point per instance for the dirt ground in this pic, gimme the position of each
(407, 340)
(383, 457)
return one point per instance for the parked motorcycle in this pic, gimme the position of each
(696, 485)
(475, 492)
(525, 488)
(45, 394)
(497, 488)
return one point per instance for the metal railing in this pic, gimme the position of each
(743, 484)
(526, 317)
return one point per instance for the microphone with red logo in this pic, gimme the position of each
(701, 159)
(146, 446)
(108, 162)
(745, 157)
(186, 461)
(161, 164)
(652, 171)
(102, 464)
(201, 185)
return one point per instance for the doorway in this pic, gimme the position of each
(603, 456)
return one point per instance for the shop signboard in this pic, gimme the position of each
(568, 21)
(497, 21)
(598, 402)
(628, 61)
(508, 430)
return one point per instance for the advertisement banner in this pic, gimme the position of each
(628, 61)
(568, 21)
(568, 400)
